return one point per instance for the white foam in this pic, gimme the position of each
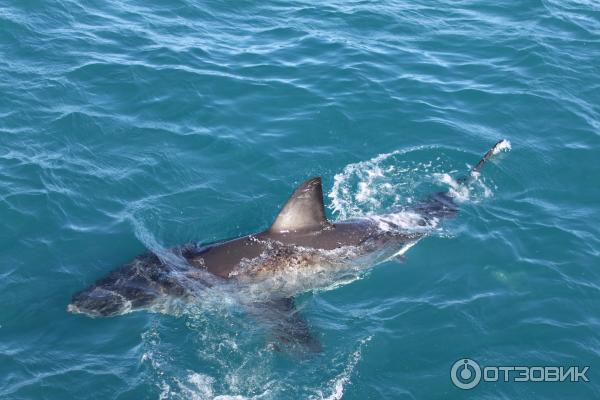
(364, 192)
(458, 191)
(202, 386)
(373, 180)
(504, 145)
(165, 391)
(339, 383)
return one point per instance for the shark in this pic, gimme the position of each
(299, 249)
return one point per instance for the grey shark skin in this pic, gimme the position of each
(300, 236)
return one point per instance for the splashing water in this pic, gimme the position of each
(504, 145)
(396, 180)
(231, 361)
(339, 383)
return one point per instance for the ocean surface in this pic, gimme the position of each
(134, 125)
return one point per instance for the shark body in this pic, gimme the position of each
(300, 238)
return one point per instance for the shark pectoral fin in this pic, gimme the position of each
(287, 328)
(304, 210)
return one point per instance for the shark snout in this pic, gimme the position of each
(97, 301)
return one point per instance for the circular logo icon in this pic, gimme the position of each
(465, 373)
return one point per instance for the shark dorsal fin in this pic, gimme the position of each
(304, 209)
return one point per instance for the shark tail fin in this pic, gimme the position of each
(497, 148)
(442, 204)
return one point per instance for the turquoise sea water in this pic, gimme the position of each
(133, 125)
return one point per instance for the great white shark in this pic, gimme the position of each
(300, 241)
